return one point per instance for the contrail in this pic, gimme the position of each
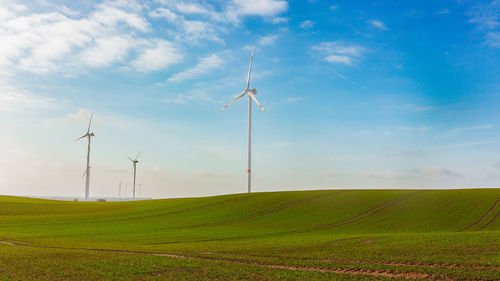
(349, 80)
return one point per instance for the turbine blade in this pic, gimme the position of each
(237, 98)
(250, 93)
(92, 115)
(130, 159)
(249, 70)
(138, 155)
(81, 137)
(84, 173)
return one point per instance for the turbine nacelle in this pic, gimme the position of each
(88, 134)
(135, 160)
(251, 93)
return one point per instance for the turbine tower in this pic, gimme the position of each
(134, 162)
(251, 96)
(87, 171)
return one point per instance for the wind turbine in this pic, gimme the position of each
(134, 161)
(87, 171)
(251, 96)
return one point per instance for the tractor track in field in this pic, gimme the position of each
(264, 212)
(386, 273)
(485, 216)
(356, 218)
(381, 262)
(155, 215)
(491, 221)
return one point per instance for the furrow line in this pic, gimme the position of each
(484, 217)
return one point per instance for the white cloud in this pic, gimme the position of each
(257, 7)
(412, 107)
(307, 24)
(12, 99)
(107, 50)
(82, 116)
(466, 129)
(191, 8)
(292, 99)
(65, 41)
(466, 144)
(377, 24)
(486, 17)
(204, 66)
(268, 39)
(188, 31)
(160, 55)
(163, 13)
(281, 144)
(493, 39)
(53, 42)
(334, 7)
(278, 20)
(191, 96)
(230, 12)
(361, 133)
(339, 52)
(444, 11)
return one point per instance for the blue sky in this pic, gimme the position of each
(383, 94)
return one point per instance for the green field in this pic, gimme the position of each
(315, 235)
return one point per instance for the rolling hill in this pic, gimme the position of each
(402, 234)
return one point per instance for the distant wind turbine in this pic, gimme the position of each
(251, 96)
(134, 162)
(87, 171)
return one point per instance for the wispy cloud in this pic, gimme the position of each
(278, 20)
(493, 39)
(486, 17)
(466, 129)
(292, 99)
(421, 130)
(81, 118)
(185, 98)
(444, 11)
(410, 107)
(467, 144)
(378, 24)
(339, 52)
(307, 24)
(281, 144)
(204, 66)
(160, 55)
(419, 107)
(434, 172)
(334, 7)
(12, 99)
(361, 133)
(264, 8)
(267, 39)
(232, 11)
(188, 31)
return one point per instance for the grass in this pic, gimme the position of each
(320, 235)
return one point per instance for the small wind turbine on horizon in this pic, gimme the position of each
(87, 171)
(134, 162)
(251, 96)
